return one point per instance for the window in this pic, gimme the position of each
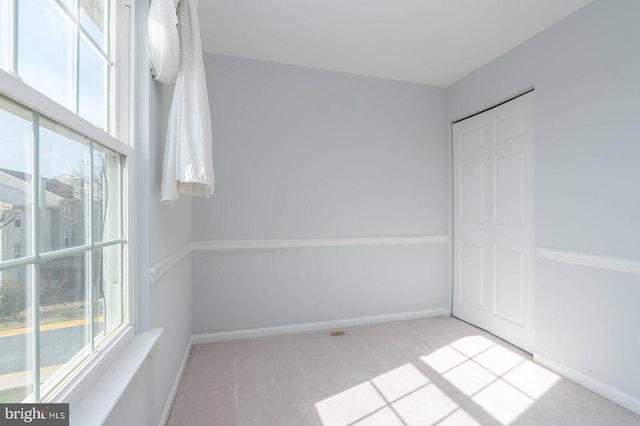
(63, 163)
(17, 220)
(75, 65)
(67, 237)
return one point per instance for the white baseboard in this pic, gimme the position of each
(176, 385)
(313, 326)
(621, 398)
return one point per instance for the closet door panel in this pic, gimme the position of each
(493, 240)
(512, 233)
(472, 182)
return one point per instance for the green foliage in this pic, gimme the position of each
(13, 395)
(12, 299)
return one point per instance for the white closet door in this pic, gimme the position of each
(493, 221)
(472, 190)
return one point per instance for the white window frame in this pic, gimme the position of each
(66, 208)
(76, 384)
(17, 250)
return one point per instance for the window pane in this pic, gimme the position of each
(64, 187)
(16, 171)
(47, 50)
(107, 215)
(64, 329)
(16, 368)
(107, 195)
(93, 18)
(6, 30)
(93, 85)
(107, 290)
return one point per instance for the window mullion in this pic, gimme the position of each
(77, 86)
(109, 243)
(110, 98)
(110, 95)
(76, 22)
(35, 241)
(68, 12)
(14, 36)
(14, 263)
(90, 265)
(95, 45)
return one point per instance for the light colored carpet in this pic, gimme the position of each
(424, 372)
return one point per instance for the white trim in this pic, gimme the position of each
(100, 400)
(223, 336)
(593, 260)
(166, 264)
(15, 89)
(621, 398)
(176, 385)
(78, 385)
(317, 242)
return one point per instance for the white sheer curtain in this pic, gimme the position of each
(188, 165)
(163, 43)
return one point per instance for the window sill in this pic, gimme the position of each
(102, 397)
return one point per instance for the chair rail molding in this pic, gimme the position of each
(316, 242)
(165, 265)
(621, 264)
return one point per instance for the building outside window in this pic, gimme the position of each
(67, 237)
(17, 221)
(63, 174)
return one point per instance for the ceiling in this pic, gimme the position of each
(434, 42)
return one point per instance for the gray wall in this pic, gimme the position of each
(586, 71)
(268, 288)
(161, 231)
(170, 230)
(135, 406)
(305, 153)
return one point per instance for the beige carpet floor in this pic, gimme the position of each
(437, 371)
